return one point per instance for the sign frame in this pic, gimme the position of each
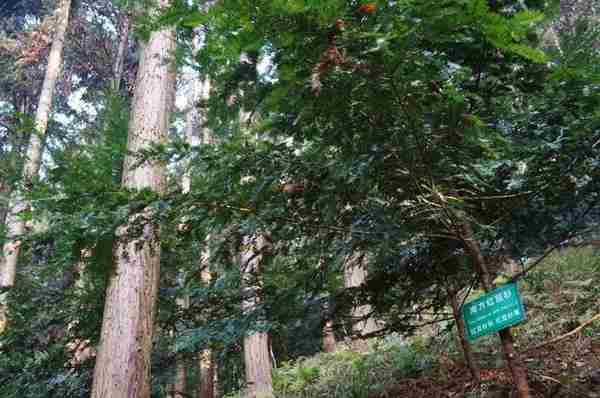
(496, 310)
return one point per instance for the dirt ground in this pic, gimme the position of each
(568, 369)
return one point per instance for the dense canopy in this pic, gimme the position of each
(226, 189)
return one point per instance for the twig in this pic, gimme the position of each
(552, 379)
(568, 236)
(534, 264)
(568, 334)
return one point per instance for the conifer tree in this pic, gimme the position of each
(123, 364)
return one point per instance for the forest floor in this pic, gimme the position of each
(562, 301)
(559, 343)
(569, 369)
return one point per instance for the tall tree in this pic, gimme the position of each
(257, 359)
(123, 363)
(202, 133)
(15, 224)
(206, 388)
(355, 275)
(121, 52)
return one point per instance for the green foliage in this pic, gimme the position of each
(81, 203)
(563, 290)
(347, 373)
(401, 125)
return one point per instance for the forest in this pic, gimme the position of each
(300, 198)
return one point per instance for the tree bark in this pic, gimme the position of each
(16, 226)
(180, 385)
(517, 369)
(462, 335)
(206, 366)
(197, 133)
(123, 364)
(121, 52)
(329, 342)
(257, 358)
(206, 388)
(355, 274)
(4, 195)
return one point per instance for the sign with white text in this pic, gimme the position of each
(494, 311)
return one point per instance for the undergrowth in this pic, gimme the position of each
(349, 374)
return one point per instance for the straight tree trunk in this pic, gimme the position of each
(180, 379)
(206, 388)
(197, 133)
(4, 195)
(257, 358)
(329, 342)
(180, 385)
(206, 362)
(517, 369)
(123, 364)
(355, 275)
(121, 52)
(16, 226)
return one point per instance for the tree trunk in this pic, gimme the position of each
(4, 195)
(257, 359)
(329, 342)
(206, 366)
(355, 275)
(180, 385)
(121, 52)
(15, 226)
(123, 363)
(517, 369)
(206, 388)
(196, 133)
(462, 335)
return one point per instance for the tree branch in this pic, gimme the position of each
(568, 334)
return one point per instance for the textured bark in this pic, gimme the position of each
(34, 151)
(4, 195)
(517, 369)
(15, 226)
(206, 134)
(329, 342)
(123, 364)
(180, 379)
(197, 133)
(257, 358)
(180, 384)
(355, 275)
(121, 52)
(206, 387)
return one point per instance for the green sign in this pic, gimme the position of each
(494, 311)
